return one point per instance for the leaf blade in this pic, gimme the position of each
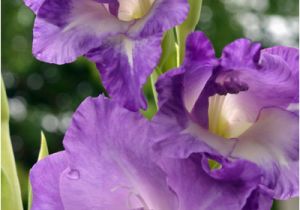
(10, 191)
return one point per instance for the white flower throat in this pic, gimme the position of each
(133, 9)
(225, 118)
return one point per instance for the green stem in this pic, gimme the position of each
(178, 60)
(188, 26)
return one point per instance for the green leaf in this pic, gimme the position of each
(44, 148)
(188, 25)
(151, 95)
(42, 153)
(170, 54)
(10, 190)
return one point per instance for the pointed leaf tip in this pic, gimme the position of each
(42, 153)
(44, 148)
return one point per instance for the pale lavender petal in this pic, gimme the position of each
(110, 163)
(222, 145)
(288, 54)
(34, 5)
(64, 30)
(163, 15)
(284, 60)
(272, 143)
(44, 178)
(124, 65)
(108, 1)
(241, 53)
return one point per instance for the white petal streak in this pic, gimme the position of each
(222, 145)
(128, 49)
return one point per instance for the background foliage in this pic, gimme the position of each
(44, 96)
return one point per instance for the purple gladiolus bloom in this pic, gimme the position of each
(106, 165)
(235, 113)
(121, 36)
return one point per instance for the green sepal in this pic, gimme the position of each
(42, 153)
(10, 187)
(188, 25)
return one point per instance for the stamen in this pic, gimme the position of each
(229, 82)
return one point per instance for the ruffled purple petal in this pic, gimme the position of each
(284, 61)
(172, 116)
(259, 199)
(110, 163)
(199, 187)
(241, 53)
(272, 143)
(124, 65)
(164, 15)
(288, 54)
(44, 178)
(64, 30)
(198, 64)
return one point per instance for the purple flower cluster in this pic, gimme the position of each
(226, 134)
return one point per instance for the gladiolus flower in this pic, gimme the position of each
(107, 164)
(121, 36)
(236, 108)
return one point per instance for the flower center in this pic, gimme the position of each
(226, 117)
(133, 9)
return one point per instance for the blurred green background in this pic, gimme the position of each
(44, 96)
